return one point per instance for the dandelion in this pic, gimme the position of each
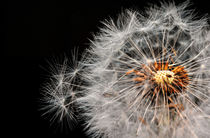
(146, 76)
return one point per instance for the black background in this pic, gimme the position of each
(39, 31)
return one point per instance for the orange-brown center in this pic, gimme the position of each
(168, 78)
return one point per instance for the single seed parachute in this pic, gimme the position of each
(145, 76)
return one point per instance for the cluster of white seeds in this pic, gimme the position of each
(118, 104)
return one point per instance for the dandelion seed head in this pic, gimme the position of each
(145, 76)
